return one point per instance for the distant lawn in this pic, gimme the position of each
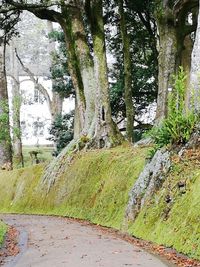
(3, 229)
(44, 155)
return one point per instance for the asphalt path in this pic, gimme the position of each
(47, 241)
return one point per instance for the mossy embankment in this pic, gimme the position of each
(95, 187)
(172, 216)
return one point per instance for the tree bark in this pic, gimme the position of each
(167, 62)
(106, 132)
(127, 74)
(16, 106)
(74, 68)
(57, 100)
(175, 46)
(195, 69)
(5, 140)
(86, 65)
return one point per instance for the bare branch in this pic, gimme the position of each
(37, 85)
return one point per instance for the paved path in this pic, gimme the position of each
(59, 242)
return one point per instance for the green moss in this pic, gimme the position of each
(94, 187)
(176, 224)
(3, 229)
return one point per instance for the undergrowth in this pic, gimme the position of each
(177, 128)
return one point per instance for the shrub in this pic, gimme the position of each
(180, 123)
(62, 131)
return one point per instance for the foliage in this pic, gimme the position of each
(4, 122)
(62, 130)
(180, 123)
(62, 82)
(9, 21)
(144, 66)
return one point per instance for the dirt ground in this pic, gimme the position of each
(49, 241)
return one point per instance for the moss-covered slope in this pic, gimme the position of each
(175, 223)
(95, 187)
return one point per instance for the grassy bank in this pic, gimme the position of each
(176, 223)
(95, 187)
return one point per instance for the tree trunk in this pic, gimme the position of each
(74, 68)
(167, 64)
(106, 131)
(16, 106)
(195, 69)
(57, 100)
(86, 65)
(175, 46)
(5, 140)
(127, 74)
(186, 63)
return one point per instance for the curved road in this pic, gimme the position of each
(59, 242)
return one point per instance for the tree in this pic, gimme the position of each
(9, 20)
(195, 70)
(16, 106)
(127, 73)
(5, 140)
(174, 30)
(142, 74)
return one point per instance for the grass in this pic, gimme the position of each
(3, 229)
(175, 224)
(95, 187)
(44, 155)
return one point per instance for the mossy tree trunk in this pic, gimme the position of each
(174, 46)
(86, 66)
(57, 99)
(127, 74)
(106, 131)
(195, 69)
(16, 107)
(5, 140)
(167, 60)
(74, 71)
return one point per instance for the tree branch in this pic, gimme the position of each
(37, 85)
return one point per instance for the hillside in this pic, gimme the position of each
(95, 187)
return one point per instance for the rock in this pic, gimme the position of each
(144, 142)
(149, 181)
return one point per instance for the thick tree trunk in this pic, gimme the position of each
(74, 68)
(186, 63)
(175, 46)
(5, 140)
(195, 69)
(167, 64)
(77, 126)
(106, 131)
(127, 74)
